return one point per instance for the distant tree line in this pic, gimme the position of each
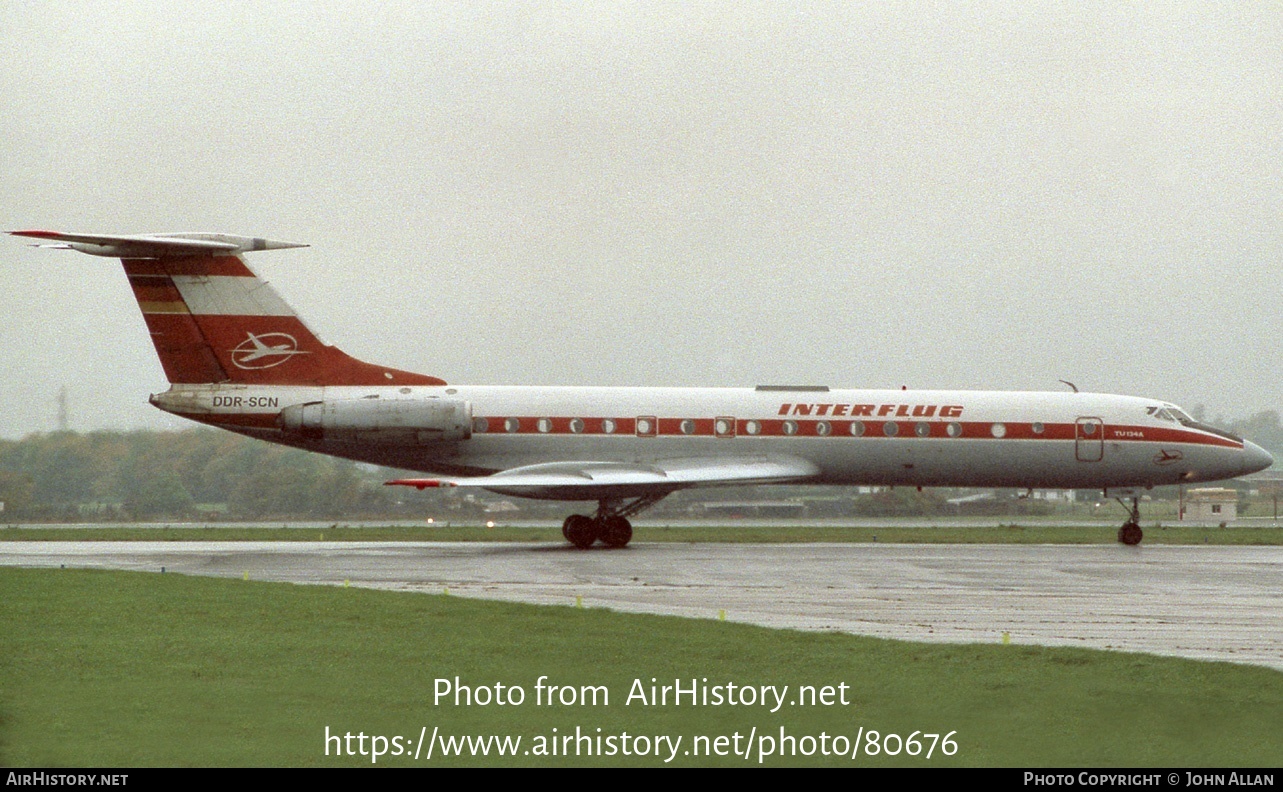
(178, 475)
(1263, 428)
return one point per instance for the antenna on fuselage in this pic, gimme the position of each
(1070, 384)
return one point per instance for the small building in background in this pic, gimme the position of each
(1063, 496)
(1268, 486)
(1215, 504)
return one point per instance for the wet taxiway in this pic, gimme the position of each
(1211, 603)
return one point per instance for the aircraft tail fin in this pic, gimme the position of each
(213, 320)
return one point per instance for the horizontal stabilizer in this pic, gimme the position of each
(155, 245)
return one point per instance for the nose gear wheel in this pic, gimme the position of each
(1130, 532)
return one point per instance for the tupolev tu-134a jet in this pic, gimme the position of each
(238, 357)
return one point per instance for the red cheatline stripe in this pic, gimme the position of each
(776, 427)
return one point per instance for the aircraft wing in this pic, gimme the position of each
(605, 480)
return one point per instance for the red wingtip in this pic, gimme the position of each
(37, 234)
(417, 483)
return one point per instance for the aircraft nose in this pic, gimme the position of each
(1255, 458)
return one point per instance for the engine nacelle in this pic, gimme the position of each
(389, 421)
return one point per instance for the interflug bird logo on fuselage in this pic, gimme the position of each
(265, 350)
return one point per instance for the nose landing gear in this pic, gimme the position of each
(1130, 532)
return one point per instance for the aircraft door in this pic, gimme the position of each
(1089, 439)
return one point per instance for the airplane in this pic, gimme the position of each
(239, 358)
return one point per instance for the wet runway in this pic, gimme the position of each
(1212, 603)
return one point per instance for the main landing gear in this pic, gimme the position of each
(610, 524)
(583, 531)
(1130, 533)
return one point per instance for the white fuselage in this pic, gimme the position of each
(871, 437)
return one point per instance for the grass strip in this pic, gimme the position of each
(137, 669)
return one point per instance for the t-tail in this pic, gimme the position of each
(213, 320)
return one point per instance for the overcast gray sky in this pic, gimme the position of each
(939, 195)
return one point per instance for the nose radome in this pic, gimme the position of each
(1255, 458)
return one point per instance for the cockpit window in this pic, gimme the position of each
(1180, 416)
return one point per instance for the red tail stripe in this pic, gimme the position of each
(184, 354)
(189, 265)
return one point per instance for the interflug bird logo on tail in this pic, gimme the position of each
(265, 350)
